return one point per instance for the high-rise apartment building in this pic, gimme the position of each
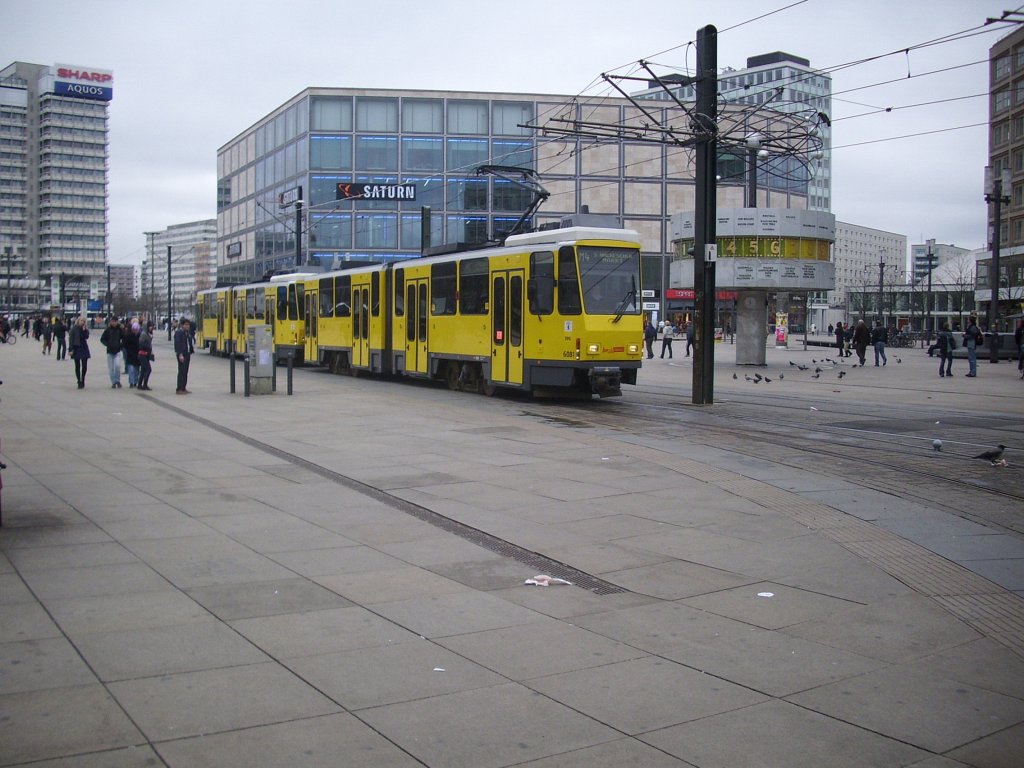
(53, 175)
(857, 253)
(188, 252)
(1006, 153)
(782, 82)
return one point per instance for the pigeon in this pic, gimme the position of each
(735, 376)
(994, 455)
(814, 361)
(898, 361)
(937, 444)
(841, 374)
(756, 381)
(782, 375)
(791, 362)
(816, 376)
(747, 377)
(758, 377)
(817, 370)
(802, 367)
(767, 380)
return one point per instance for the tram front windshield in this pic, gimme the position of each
(610, 279)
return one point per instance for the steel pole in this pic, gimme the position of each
(298, 230)
(993, 304)
(168, 293)
(705, 210)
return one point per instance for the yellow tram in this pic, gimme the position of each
(552, 311)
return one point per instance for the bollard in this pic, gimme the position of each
(291, 361)
(245, 373)
(231, 357)
(273, 374)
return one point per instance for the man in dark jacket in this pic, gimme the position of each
(879, 338)
(861, 339)
(113, 339)
(60, 331)
(183, 351)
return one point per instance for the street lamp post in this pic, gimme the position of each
(996, 191)
(881, 286)
(168, 293)
(929, 327)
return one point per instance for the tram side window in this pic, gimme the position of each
(442, 288)
(375, 293)
(250, 304)
(296, 301)
(568, 282)
(257, 304)
(282, 302)
(473, 287)
(540, 288)
(342, 292)
(399, 291)
(327, 297)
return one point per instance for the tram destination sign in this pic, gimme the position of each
(360, 191)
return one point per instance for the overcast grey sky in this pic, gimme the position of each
(192, 74)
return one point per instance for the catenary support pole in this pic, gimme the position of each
(705, 210)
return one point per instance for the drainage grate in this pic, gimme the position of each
(537, 562)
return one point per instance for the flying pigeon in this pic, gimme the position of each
(937, 444)
(994, 455)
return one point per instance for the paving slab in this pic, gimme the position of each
(341, 560)
(26, 621)
(210, 701)
(779, 735)
(134, 610)
(486, 728)
(650, 693)
(93, 581)
(265, 598)
(900, 703)
(455, 614)
(62, 721)
(390, 584)
(32, 665)
(141, 756)
(315, 742)
(1000, 750)
(388, 674)
(199, 561)
(769, 605)
(613, 754)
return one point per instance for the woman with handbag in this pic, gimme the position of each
(79, 345)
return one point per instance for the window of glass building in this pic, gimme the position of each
(330, 153)
(422, 116)
(373, 114)
(429, 192)
(511, 197)
(331, 114)
(1002, 66)
(467, 116)
(376, 153)
(467, 229)
(376, 230)
(422, 154)
(323, 188)
(412, 231)
(508, 115)
(467, 194)
(1002, 99)
(517, 153)
(376, 205)
(332, 230)
(465, 154)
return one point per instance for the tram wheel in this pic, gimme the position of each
(487, 390)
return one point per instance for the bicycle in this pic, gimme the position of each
(10, 338)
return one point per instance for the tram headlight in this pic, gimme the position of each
(593, 349)
(634, 349)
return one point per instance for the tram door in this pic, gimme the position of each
(312, 317)
(417, 303)
(220, 325)
(507, 326)
(360, 321)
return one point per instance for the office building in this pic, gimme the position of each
(857, 253)
(53, 177)
(941, 254)
(431, 142)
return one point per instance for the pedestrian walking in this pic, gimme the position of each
(1018, 339)
(79, 345)
(130, 346)
(861, 339)
(841, 340)
(113, 339)
(47, 337)
(972, 338)
(879, 338)
(650, 333)
(183, 349)
(668, 333)
(689, 338)
(945, 343)
(146, 355)
(60, 332)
